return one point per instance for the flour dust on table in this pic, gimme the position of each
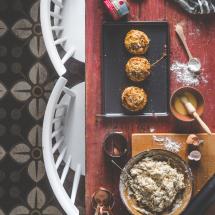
(185, 76)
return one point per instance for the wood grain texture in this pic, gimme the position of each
(141, 142)
(201, 39)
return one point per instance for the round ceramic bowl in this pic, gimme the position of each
(199, 98)
(161, 155)
(115, 140)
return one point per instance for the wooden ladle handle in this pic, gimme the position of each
(180, 32)
(202, 123)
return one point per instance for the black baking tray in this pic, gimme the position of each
(114, 78)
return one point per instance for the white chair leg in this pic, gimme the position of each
(60, 41)
(55, 15)
(66, 169)
(76, 183)
(57, 144)
(58, 118)
(60, 158)
(69, 92)
(58, 3)
(57, 28)
(62, 106)
(56, 132)
(68, 55)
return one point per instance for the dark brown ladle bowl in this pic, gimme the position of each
(102, 197)
(161, 155)
(200, 103)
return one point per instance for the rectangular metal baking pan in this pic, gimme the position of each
(114, 79)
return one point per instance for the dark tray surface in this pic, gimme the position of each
(115, 56)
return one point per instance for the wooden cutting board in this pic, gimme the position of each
(201, 171)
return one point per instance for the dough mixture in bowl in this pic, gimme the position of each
(154, 185)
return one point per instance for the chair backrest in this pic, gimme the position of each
(63, 23)
(56, 152)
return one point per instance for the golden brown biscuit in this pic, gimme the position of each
(134, 98)
(136, 42)
(138, 69)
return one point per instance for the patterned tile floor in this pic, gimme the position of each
(26, 80)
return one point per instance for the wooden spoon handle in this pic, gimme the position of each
(202, 123)
(180, 32)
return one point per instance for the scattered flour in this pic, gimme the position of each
(183, 75)
(195, 32)
(168, 144)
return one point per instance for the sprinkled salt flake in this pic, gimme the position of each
(152, 130)
(172, 145)
(204, 79)
(195, 32)
(185, 76)
(158, 139)
(168, 144)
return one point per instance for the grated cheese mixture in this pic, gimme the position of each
(154, 185)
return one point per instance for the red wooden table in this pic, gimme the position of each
(200, 31)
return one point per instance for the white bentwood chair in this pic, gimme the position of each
(63, 24)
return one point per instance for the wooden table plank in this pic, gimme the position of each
(98, 172)
(153, 10)
(134, 10)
